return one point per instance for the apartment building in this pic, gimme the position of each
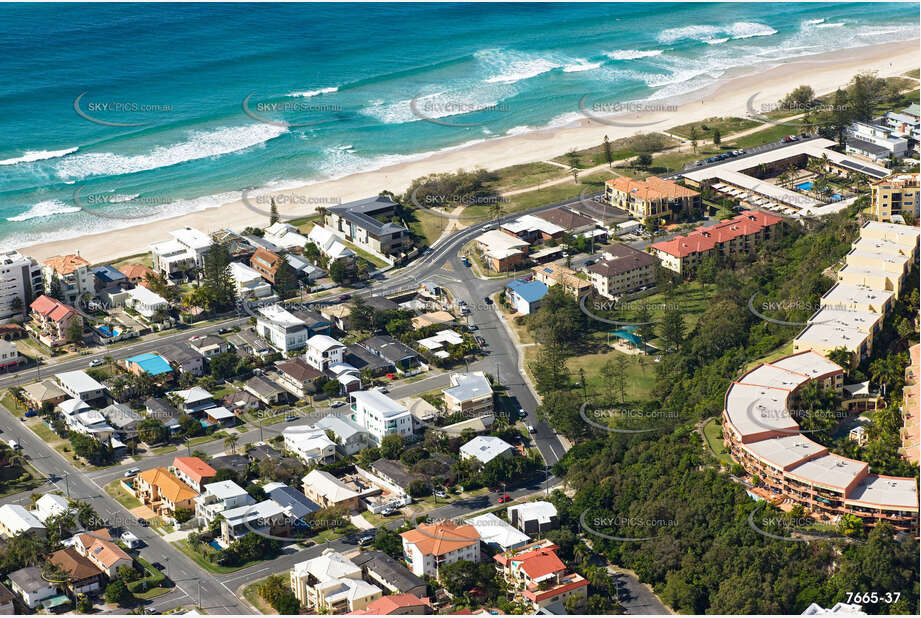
(652, 197)
(764, 437)
(896, 196)
(265, 263)
(428, 547)
(248, 282)
(217, 498)
(163, 492)
(501, 252)
(911, 395)
(623, 270)
(380, 415)
(80, 385)
(182, 254)
(71, 275)
(367, 224)
(740, 235)
(52, 320)
(332, 584)
(557, 274)
(281, 328)
(536, 573)
(20, 283)
(874, 142)
(193, 472)
(470, 395)
(323, 351)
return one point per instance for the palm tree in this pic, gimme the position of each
(231, 443)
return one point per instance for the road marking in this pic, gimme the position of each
(230, 579)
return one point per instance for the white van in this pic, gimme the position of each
(14, 445)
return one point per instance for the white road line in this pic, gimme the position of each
(230, 579)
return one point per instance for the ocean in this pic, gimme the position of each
(116, 114)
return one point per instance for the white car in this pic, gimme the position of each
(337, 404)
(96, 362)
(531, 429)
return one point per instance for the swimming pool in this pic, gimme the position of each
(806, 186)
(106, 331)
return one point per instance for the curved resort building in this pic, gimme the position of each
(766, 440)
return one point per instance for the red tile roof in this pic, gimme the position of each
(441, 538)
(50, 308)
(194, 468)
(539, 563)
(653, 188)
(390, 604)
(705, 238)
(66, 264)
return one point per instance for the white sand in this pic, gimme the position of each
(824, 72)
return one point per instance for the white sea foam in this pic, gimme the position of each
(38, 155)
(812, 22)
(313, 93)
(581, 65)
(436, 105)
(715, 41)
(632, 54)
(197, 145)
(508, 67)
(47, 208)
(832, 25)
(712, 34)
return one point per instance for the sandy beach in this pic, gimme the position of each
(824, 72)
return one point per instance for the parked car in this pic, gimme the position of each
(291, 417)
(531, 429)
(14, 445)
(488, 300)
(522, 413)
(337, 404)
(30, 413)
(473, 327)
(131, 472)
(440, 494)
(143, 523)
(465, 261)
(504, 498)
(365, 539)
(345, 297)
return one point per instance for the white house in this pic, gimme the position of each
(16, 520)
(285, 236)
(380, 415)
(50, 505)
(31, 586)
(323, 351)
(309, 443)
(533, 517)
(430, 546)
(350, 437)
(281, 328)
(184, 252)
(329, 244)
(145, 302)
(248, 282)
(875, 142)
(332, 583)
(498, 533)
(217, 498)
(486, 448)
(80, 385)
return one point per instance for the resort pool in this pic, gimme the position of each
(105, 331)
(836, 197)
(216, 545)
(805, 186)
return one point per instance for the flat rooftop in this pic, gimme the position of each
(886, 491)
(809, 363)
(774, 377)
(756, 409)
(843, 296)
(882, 245)
(829, 471)
(832, 336)
(785, 452)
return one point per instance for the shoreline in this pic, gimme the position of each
(771, 80)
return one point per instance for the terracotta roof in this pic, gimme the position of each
(66, 264)
(106, 553)
(50, 308)
(170, 487)
(705, 238)
(266, 257)
(440, 538)
(87, 538)
(653, 188)
(75, 565)
(391, 603)
(539, 563)
(135, 271)
(194, 468)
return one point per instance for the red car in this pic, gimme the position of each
(504, 498)
(391, 376)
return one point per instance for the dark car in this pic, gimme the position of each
(142, 522)
(345, 297)
(488, 300)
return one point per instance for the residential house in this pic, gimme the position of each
(266, 264)
(486, 448)
(9, 355)
(332, 584)
(470, 395)
(652, 197)
(285, 236)
(383, 571)
(530, 228)
(239, 247)
(267, 391)
(315, 322)
(123, 420)
(280, 328)
(401, 356)
(541, 577)
(329, 244)
(194, 400)
(20, 283)
(16, 520)
(183, 358)
(339, 314)
(323, 351)
(82, 576)
(240, 401)
(740, 235)
(525, 296)
(217, 498)
(184, 253)
(367, 224)
(497, 534)
(260, 450)
(875, 142)
(350, 436)
(151, 364)
(51, 505)
(297, 506)
(303, 268)
(248, 282)
(193, 472)
(31, 587)
(146, 302)
(428, 547)
(221, 416)
(99, 549)
(297, 377)
(500, 251)
(209, 346)
(398, 605)
(395, 473)
(163, 411)
(557, 274)
(265, 518)
(71, 275)
(326, 490)
(380, 415)
(164, 492)
(38, 394)
(309, 444)
(52, 320)
(137, 274)
(623, 270)
(533, 517)
(569, 220)
(80, 385)
(238, 464)
(7, 601)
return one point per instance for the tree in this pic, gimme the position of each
(84, 605)
(850, 525)
(864, 91)
(643, 160)
(693, 138)
(418, 488)
(285, 278)
(230, 442)
(273, 212)
(338, 271)
(717, 138)
(800, 98)
(152, 431)
(391, 446)
(224, 365)
(389, 542)
(75, 330)
(608, 155)
(217, 282)
(671, 328)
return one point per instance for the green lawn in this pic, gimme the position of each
(620, 149)
(251, 594)
(640, 371)
(712, 431)
(588, 183)
(43, 432)
(428, 225)
(162, 450)
(201, 561)
(913, 73)
(771, 133)
(10, 403)
(706, 127)
(784, 350)
(671, 161)
(10, 482)
(121, 496)
(525, 175)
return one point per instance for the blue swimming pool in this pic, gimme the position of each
(837, 197)
(805, 186)
(106, 331)
(216, 545)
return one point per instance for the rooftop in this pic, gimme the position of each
(468, 386)
(441, 538)
(150, 363)
(66, 264)
(530, 291)
(486, 448)
(496, 531)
